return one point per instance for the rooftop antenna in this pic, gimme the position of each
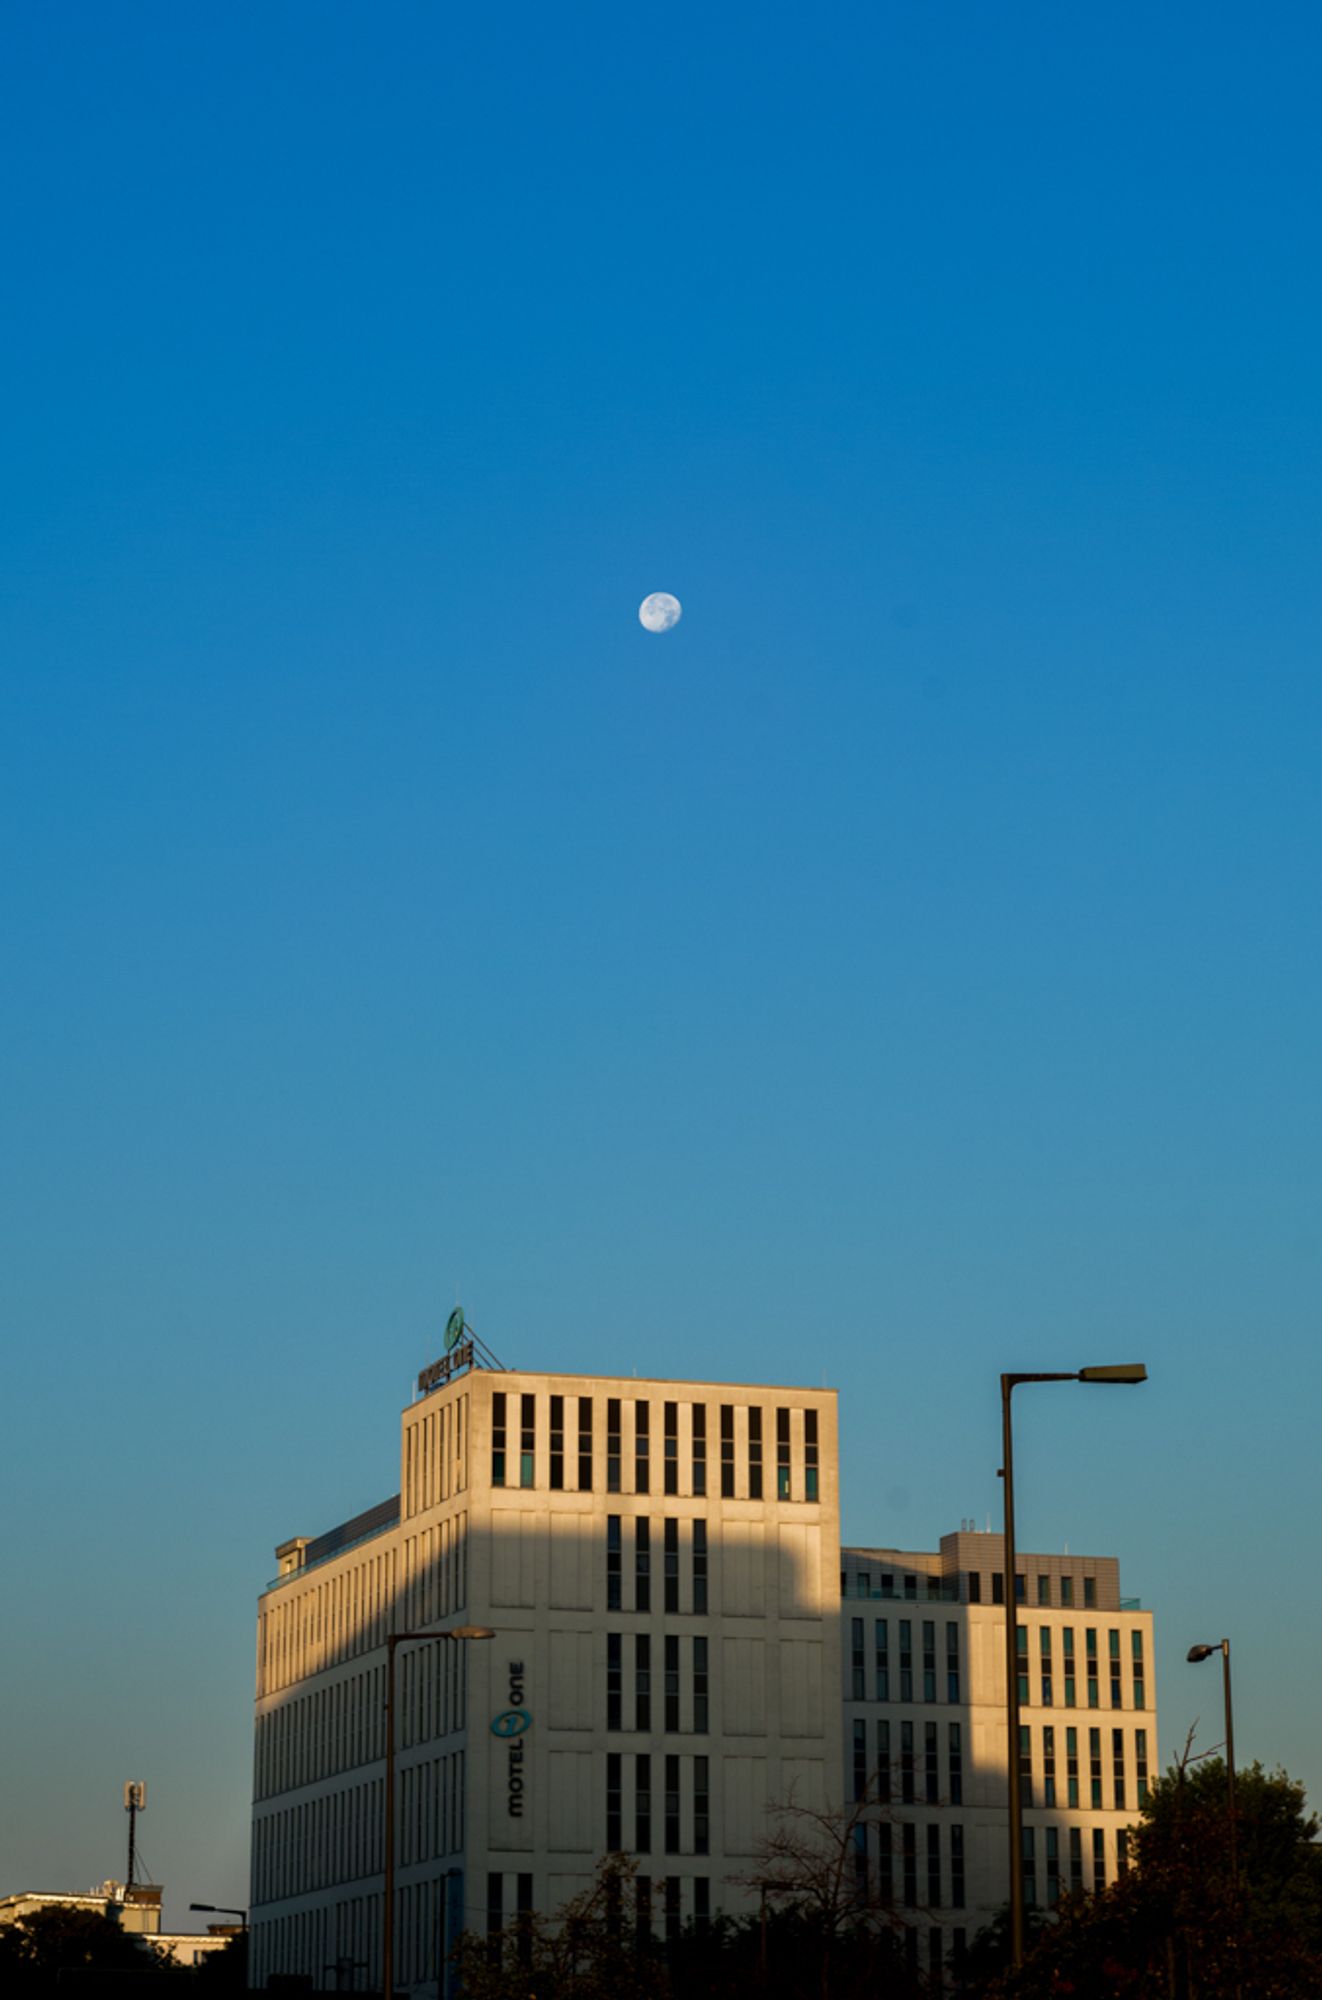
(135, 1801)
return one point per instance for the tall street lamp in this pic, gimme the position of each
(1195, 1655)
(221, 1910)
(1131, 1371)
(393, 1641)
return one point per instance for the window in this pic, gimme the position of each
(527, 1439)
(1140, 1681)
(906, 1763)
(911, 1586)
(810, 1455)
(498, 1438)
(1095, 1765)
(1048, 1766)
(783, 1484)
(860, 1771)
(672, 1683)
(1030, 1867)
(613, 1444)
(699, 1568)
(910, 1852)
(557, 1443)
(883, 1762)
(673, 1924)
(1053, 1866)
(701, 1687)
(929, 1659)
(1113, 1651)
(727, 1451)
(642, 1564)
(1067, 1645)
(1043, 1589)
(495, 1904)
(931, 1772)
(614, 1823)
(699, 1450)
(1044, 1645)
(1122, 1851)
(670, 1447)
(1072, 1767)
(642, 1923)
(1098, 1858)
(934, 1869)
(585, 1444)
(614, 1680)
(642, 1681)
(887, 1583)
(952, 1660)
(906, 1660)
(1090, 1643)
(883, 1661)
(1021, 1645)
(672, 1806)
(670, 1581)
(642, 1804)
(701, 1890)
(1089, 1593)
(614, 1564)
(974, 1587)
(1067, 1590)
(1141, 1762)
(1020, 1587)
(955, 1761)
(1076, 1861)
(1025, 1763)
(858, 1688)
(755, 1454)
(642, 1445)
(998, 1587)
(885, 1862)
(701, 1809)
(957, 1867)
(1118, 1767)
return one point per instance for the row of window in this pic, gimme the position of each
(908, 1764)
(929, 1674)
(683, 1457)
(335, 1838)
(644, 1894)
(681, 1814)
(640, 1708)
(1046, 1842)
(1063, 1782)
(914, 1585)
(1098, 1669)
(885, 1850)
(691, 1542)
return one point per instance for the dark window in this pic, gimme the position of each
(1122, 1850)
(642, 1445)
(642, 1890)
(934, 1875)
(613, 1444)
(1021, 1643)
(1071, 1767)
(701, 1899)
(906, 1763)
(1090, 1642)
(727, 1451)
(672, 1683)
(614, 1680)
(672, 1805)
(701, 1686)
(957, 1868)
(906, 1660)
(883, 1762)
(1076, 1861)
(498, 1438)
(929, 1659)
(701, 1808)
(931, 1771)
(1095, 1765)
(670, 1447)
(1025, 1763)
(674, 1921)
(642, 1564)
(784, 1485)
(952, 1661)
(670, 1561)
(998, 1587)
(1053, 1866)
(527, 1440)
(699, 1448)
(885, 1862)
(585, 1444)
(1067, 1591)
(910, 1851)
(1020, 1587)
(557, 1443)
(1030, 1867)
(1044, 1589)
(858, 1681)
(910, 1586)
(1118, 1767)
(1089, 1593)
(614, 1564)
(1067, 1651)
(642, 1681)
(614, 1824)
(810, 1465)
(1048, 1766)
(860, 1770)
(1098, 1858)
(883, 1661)
(975, 1587)
(955, 1759)
(1113, 1644)
(1044, 1661)
(1140, 1681)
(699, 1568)
(1141, 1762)
(642, 1804)
(495, 1903)
(755, 1454)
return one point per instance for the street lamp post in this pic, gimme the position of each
(222, 1910)
(1195, 1655)
(393, 1641)
(1126, 1372)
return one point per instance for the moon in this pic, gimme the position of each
(659, 612)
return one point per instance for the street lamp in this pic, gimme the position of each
(221, 1910)
(393, 1641)
(1195, 1655)
(1130, 1371)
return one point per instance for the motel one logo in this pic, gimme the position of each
(512, 1725)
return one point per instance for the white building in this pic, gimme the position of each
(658, 1561)
(923, 1665)
(136, 1910)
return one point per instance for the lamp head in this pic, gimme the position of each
(1197, 1653)
(1127, 1371)
(470, 1632)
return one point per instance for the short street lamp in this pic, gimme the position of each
(393, 1641)
(1197, 1654)
(220, 1910)
(1127, 1372)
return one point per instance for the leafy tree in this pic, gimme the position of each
(594, 1948)
(60, 1937)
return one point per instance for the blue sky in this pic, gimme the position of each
(906, 969)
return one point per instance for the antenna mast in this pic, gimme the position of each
(135, 1801)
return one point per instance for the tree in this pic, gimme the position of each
(1178, 1925)
(35, 1949)
(599, 1946)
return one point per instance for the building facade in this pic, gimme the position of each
(658, 1562)
(923, 1681)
